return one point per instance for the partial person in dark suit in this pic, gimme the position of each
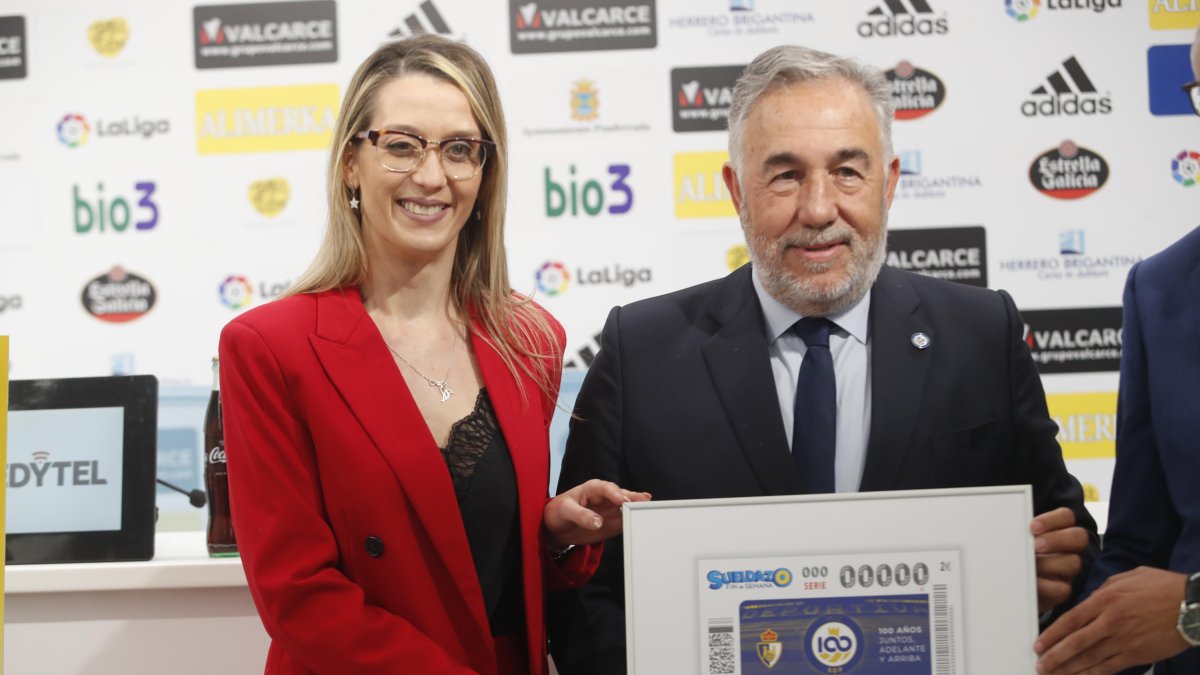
(696, 394)
(386, 421)
(1144, 602)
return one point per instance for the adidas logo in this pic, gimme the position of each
(586, 354)
(415, 27)
(902, 17)
(1067, 91)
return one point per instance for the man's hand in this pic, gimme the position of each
(1057, 543)
(587, 513)
(1130, 620)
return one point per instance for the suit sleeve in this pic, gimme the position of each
(587, 626)
(1039, 457)
(311, 610)
(577, 567)
(1142, 523)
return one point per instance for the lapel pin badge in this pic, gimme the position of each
(921, 341)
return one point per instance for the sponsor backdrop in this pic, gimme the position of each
(161, 164)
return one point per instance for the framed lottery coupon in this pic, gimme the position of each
(921, 582)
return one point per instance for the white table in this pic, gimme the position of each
(180, 613)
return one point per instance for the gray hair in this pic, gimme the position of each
(785, 65)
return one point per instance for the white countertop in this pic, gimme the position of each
(180, 561)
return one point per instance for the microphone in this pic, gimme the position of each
(196, 497)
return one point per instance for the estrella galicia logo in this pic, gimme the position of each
(1185, 167)
(834, 643)
(1068, 172)
(73, 130)
(552, 278)
(700, 97)
(915, 92)
(14, 62)
(265, 34)
(581, 25)
(236, 291)
(776, 578)
(118, 296)
(1022, 10)
(951, 253)
(903, 17)
(1067, 91)
(1168, 68)
(413, 25)
(1074, 340)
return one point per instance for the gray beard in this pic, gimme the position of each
(805, 296)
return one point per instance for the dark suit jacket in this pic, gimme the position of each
(1154, 511)
(680, 402)
(346, 519)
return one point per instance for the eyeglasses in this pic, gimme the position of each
(1193, 92)
(402, 152)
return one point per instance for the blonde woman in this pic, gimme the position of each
(386, 422)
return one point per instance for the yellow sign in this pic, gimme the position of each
(108, 36)
(4, 461)
(265, 119)
(269, 196)
(736, 256)
(1087, 424)
(1174, 14)
(699, 190)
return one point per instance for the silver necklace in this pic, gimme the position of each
(446, 391)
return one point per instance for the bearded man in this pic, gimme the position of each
(814, 368)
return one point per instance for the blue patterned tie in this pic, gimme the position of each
(814, 429)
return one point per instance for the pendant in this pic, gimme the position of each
(446, 391)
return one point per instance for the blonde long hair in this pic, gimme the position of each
(519, 331)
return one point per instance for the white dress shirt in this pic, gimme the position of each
(849, 344)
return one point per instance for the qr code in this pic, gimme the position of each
(720, 653)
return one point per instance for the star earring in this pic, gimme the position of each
(354, 198)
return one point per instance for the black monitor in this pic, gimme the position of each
(81, 468)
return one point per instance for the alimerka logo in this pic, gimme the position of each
(265, 119)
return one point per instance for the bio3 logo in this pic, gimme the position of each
(570, 197)
(116, 214)
(834, 644)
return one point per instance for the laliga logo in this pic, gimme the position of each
(236, 291)
(552, 278)
(73, 130)
(1185, 167)
(833, 644)
(1022, 10)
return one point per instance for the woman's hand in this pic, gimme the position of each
(587, 513)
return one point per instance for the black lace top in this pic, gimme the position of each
(486, 486)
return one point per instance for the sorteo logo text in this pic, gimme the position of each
(73, 129)
(115, 214)
(1087, 424)
(903, 17)
(118, 296)
(1068, 172)
(266, 119)
(42, 472)
(1067, 91)
(915, 92)
(10, 303)
(1185, 167)
(778, 578)
(571, 197)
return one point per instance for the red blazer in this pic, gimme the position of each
(346, 518)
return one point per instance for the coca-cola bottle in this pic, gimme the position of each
(220, 525)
